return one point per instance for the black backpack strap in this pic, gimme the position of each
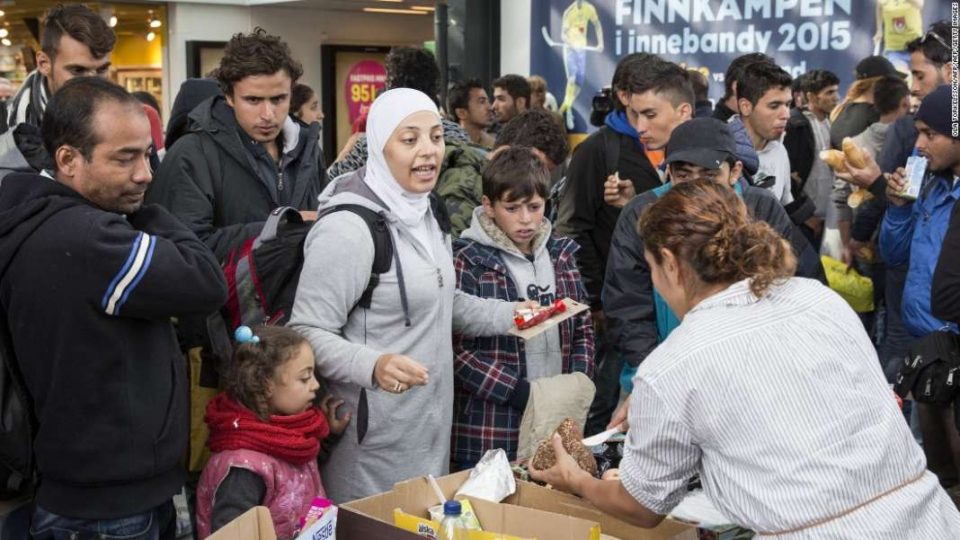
(383, 251)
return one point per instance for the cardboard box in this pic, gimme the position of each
(533, 511)
(530, 495)
(407, 503)
(254, 524)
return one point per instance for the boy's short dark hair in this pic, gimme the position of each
(535, 128)
(735, 69)
(658, 76)
(700, 85)
(256, 53)
(932, 48)
(515, 173)
(515, 85)
(69, 116)
(625, 72)
(758, 78)
(815, 81)
(458, 96)
(82, 24)
(888, 93)
(413, 67)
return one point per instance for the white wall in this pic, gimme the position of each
(303, 29)
(195, 22)
(515, 36)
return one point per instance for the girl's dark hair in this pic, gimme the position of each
(257, 53)
(299, 97)
(707, 227)
(515, 172)
(247, 378)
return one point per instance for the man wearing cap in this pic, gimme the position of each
(701, 148)
(912, 233)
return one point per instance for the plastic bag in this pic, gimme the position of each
(492, 478)
(856, 289)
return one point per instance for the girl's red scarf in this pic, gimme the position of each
(295, 439)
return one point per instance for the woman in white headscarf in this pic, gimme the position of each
(391, 359)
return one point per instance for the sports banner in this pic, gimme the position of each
(575, 44)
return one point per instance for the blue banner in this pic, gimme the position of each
(575, 44)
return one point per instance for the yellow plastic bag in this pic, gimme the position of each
(856, 289)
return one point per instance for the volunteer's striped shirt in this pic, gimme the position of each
(781, 406)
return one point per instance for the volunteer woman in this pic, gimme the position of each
(769, 389)
(391, 362)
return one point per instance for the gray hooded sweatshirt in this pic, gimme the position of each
(534, 280)
(407, 434)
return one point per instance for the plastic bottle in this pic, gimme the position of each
(451, 525)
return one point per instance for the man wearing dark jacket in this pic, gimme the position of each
(638, 319)
(244, 155)
(74, 41)
(945, 295)
(584, 216)
(89, 279)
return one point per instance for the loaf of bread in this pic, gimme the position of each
(572, 438)
(854, 153)
(833, 158)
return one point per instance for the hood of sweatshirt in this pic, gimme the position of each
(26, 202)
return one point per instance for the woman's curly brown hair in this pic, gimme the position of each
(708, 228)
(257, 53)
(247, 378)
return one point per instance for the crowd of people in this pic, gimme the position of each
(694, 234)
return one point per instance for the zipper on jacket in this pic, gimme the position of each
(279, 179)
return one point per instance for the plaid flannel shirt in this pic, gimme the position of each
(487, 369)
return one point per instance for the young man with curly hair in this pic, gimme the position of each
(247, 138)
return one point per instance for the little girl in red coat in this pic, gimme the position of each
(265, 433)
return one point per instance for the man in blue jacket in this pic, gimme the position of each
(913, 232)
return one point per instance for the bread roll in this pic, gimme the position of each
(572, 438)
(833, 158)
(854, 153)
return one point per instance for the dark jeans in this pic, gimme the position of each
(606, 378)
(896, 341)
(941, 445)
(156, 524)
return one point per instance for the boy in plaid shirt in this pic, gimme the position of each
(509, 252)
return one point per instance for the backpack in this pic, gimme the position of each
(18, 424)
(611, 151)
(263, 274)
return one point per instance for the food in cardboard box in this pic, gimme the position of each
(571, 436)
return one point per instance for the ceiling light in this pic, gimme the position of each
(113, 21)
(2, 13)
(422, 8)
(151, 36)
(395, 11)
(391, 1)
(4, 32)
(6, 42)
(154, 22)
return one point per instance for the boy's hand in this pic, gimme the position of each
(617, 192)
(329, 406)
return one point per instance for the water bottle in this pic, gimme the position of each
(451, 525)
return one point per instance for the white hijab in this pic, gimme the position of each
(388, 110)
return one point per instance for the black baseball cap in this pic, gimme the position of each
(876, 66)
(705, 142)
